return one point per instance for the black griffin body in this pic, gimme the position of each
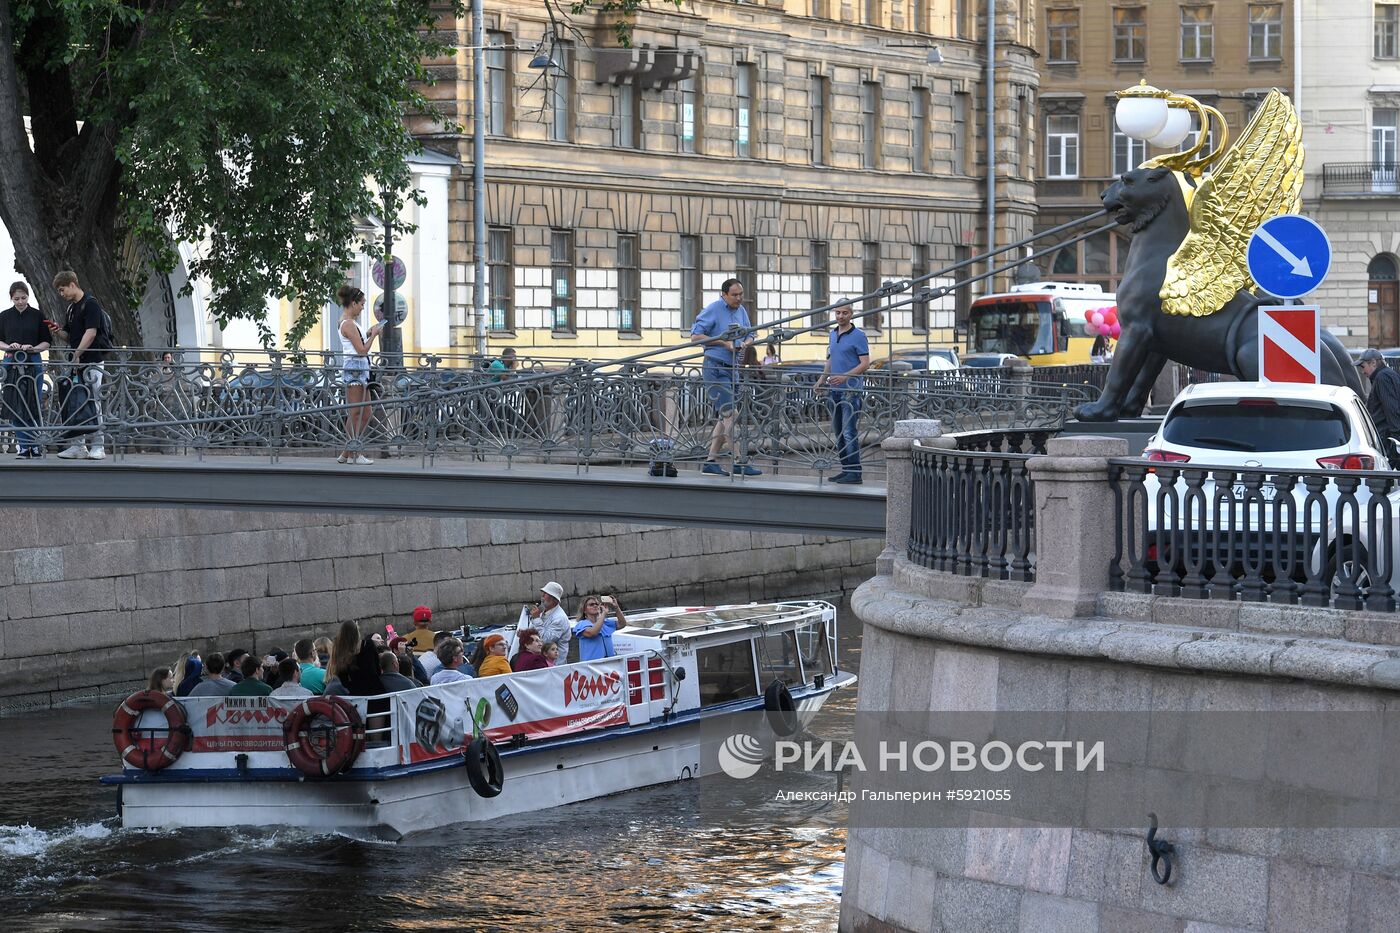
(1150, 203)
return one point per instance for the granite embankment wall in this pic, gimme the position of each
(91, 601)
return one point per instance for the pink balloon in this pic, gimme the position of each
(1095, 318)
(1114, 330)
(1090, 330)
(1110, 315)
(1088, 315)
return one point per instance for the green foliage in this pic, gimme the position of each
(249, 127)
(624, 12)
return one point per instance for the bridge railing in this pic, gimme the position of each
(282, 405)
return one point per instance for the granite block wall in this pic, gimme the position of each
(91, 601)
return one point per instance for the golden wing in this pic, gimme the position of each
(1260, 177)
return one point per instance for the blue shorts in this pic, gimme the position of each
(719, 384)
(356, 375)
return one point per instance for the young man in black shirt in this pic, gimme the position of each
(24, 338)
(83, 331)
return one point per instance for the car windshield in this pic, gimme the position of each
(1242, 426)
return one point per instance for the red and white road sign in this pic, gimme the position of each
(1290, 344)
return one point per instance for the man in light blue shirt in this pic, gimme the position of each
(720, 371)
(847, 356)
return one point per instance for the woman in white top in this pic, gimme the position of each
(354, 345)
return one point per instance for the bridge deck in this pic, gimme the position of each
(405, 487)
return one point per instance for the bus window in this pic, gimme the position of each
(1025, 328)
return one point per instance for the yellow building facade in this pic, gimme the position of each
(812, 150)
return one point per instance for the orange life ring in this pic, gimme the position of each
(148, 753)
(328, 748)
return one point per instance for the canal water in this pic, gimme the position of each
(666, 858)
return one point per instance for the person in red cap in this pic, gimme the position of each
(421, 638)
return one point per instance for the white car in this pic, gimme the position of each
(1269, 429)
(1268, 424)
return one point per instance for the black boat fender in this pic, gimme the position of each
(780, 709)
(484, 769)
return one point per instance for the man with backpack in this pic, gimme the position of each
(88, 330)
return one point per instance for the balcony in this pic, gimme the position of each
(1360, 180)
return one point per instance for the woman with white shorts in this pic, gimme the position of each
(354, 345)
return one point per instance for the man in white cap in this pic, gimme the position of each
(552, 621)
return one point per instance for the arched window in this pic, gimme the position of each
(1098, 260)
(1381, 269)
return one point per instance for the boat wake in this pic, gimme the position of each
(30, 842)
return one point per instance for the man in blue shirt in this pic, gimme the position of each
(847, 356)
(721, 367)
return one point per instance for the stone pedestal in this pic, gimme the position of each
(1070, 484)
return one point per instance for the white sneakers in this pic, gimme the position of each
(357, 460)
(342, 459)
(81, 452)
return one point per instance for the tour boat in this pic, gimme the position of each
(483, 748)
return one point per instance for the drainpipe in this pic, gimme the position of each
(479, 177)
(1298, 58)
(991, 137)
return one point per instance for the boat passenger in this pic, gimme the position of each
(233, 664)
(551, 619)
(389, 674)
(478, 657)
(312, 677)
(187, 673)
(551, 654)
(290, 672)
(403, 650)
(530, 657)
(356, 662)
(251, 685)
(421, 638)
(495, 661)
(429, 662)
(162, 680)
(450, 653)
(595, 627)
(214, 684)
(323, 646)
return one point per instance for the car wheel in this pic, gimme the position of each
(1354, 564)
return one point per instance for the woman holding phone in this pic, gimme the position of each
(355, 344)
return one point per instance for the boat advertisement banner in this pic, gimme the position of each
(538, 704)
(237, 724)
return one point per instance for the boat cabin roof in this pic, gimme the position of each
(689, 622)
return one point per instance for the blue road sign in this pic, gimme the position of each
(1289, 255)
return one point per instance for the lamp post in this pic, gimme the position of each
(391, 341)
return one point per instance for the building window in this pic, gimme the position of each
(1265, 31)
(1197, 34)
(629, 117)
(497, 84)
(960, 107)
(1383, 129)
(1062, 146)
(1062, 36)
(821, 282)
(1387, 30)
(743, 91)
(919, 129)
(746, 271)
(1130, 34)
(500, 277)
(872, 12)
(561, 261)
(918, 16)
(819, 96)
(629, 285)
(920, 308)
(870, 121)
(561, 124)
(690, 114)
(1196, 132)
(821, 9)
(1128, 153)
(870, 282)
(690, 280)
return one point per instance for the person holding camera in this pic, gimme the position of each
(551, 620)
(595, 627)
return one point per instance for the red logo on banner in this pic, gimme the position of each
(1290, 345)
(581, 686)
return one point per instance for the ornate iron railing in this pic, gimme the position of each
(278, 404)
(1360, 178)
(972, 513)
(1309, 537)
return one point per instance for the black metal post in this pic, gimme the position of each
(391, 340)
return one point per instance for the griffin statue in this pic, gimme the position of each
(1186, 293)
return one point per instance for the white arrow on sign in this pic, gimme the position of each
(1300, 266)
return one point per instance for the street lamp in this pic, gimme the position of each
(1163, 119)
